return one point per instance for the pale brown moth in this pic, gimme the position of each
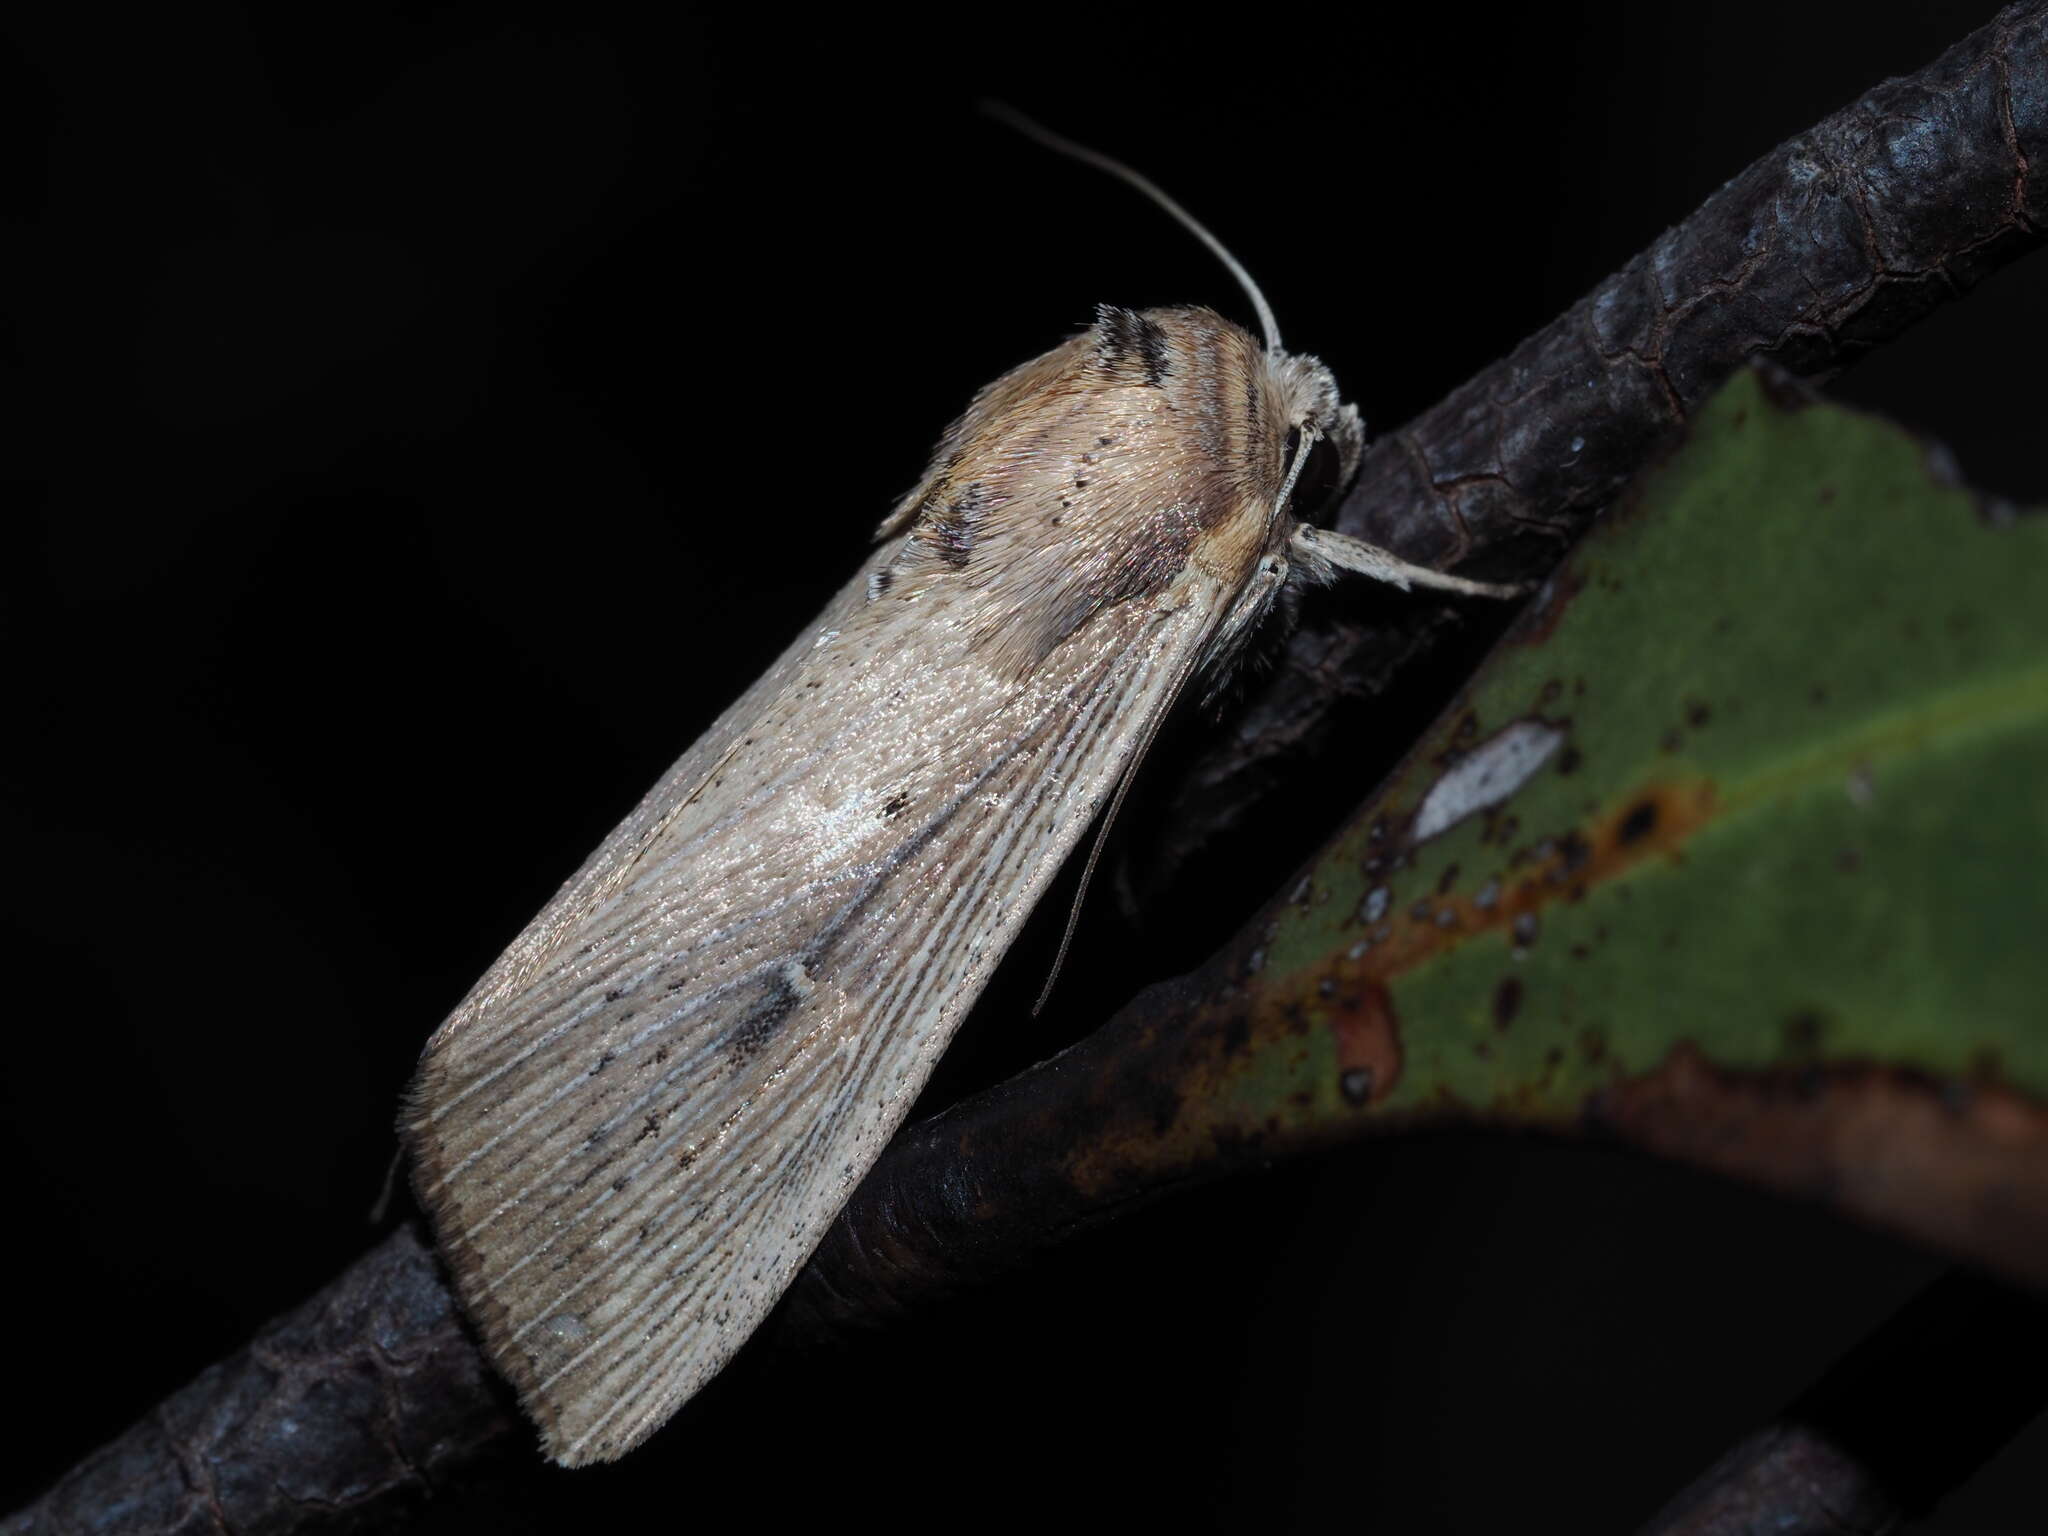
(636, 1127)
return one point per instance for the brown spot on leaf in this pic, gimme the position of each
(1368, 1040)
(1639, 823)
(1654, 822)
(1966, 1172)
(1507, 1001)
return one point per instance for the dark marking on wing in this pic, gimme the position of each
(765, 1001)
(764, 1014)
(950, 528)
(1150, 567)
(880, 582)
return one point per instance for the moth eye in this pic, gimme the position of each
(1321, 479)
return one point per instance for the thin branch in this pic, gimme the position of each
(353, 1405)
(1905, 1417)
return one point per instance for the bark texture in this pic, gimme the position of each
(1907, 1415)
(348, 1410)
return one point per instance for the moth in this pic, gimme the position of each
(635, 1128)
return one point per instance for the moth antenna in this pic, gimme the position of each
(1116, 803)
(1003, 112)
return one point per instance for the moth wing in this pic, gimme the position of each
(637, 1126)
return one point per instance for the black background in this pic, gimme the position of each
(422, 420)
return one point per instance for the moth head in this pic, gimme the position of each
(1159, 454)
(1294, 445)
(1154, 446)
(1325, 434)
(1325, 439)
(1254, 433)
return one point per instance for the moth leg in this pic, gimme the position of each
(1325, 552)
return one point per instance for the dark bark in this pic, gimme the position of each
(1787, 1479)
(371, 1393)
(1905, 1417)
(348, 1409)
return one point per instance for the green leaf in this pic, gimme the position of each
(1797, 802)
(1734, 847)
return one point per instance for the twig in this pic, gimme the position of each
(1908, 1415)
(352, 1405)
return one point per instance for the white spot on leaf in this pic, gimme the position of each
(1485, 776)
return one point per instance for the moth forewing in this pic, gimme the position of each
(638, 1124)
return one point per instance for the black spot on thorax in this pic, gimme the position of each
(1126, 334)
(951, 528)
